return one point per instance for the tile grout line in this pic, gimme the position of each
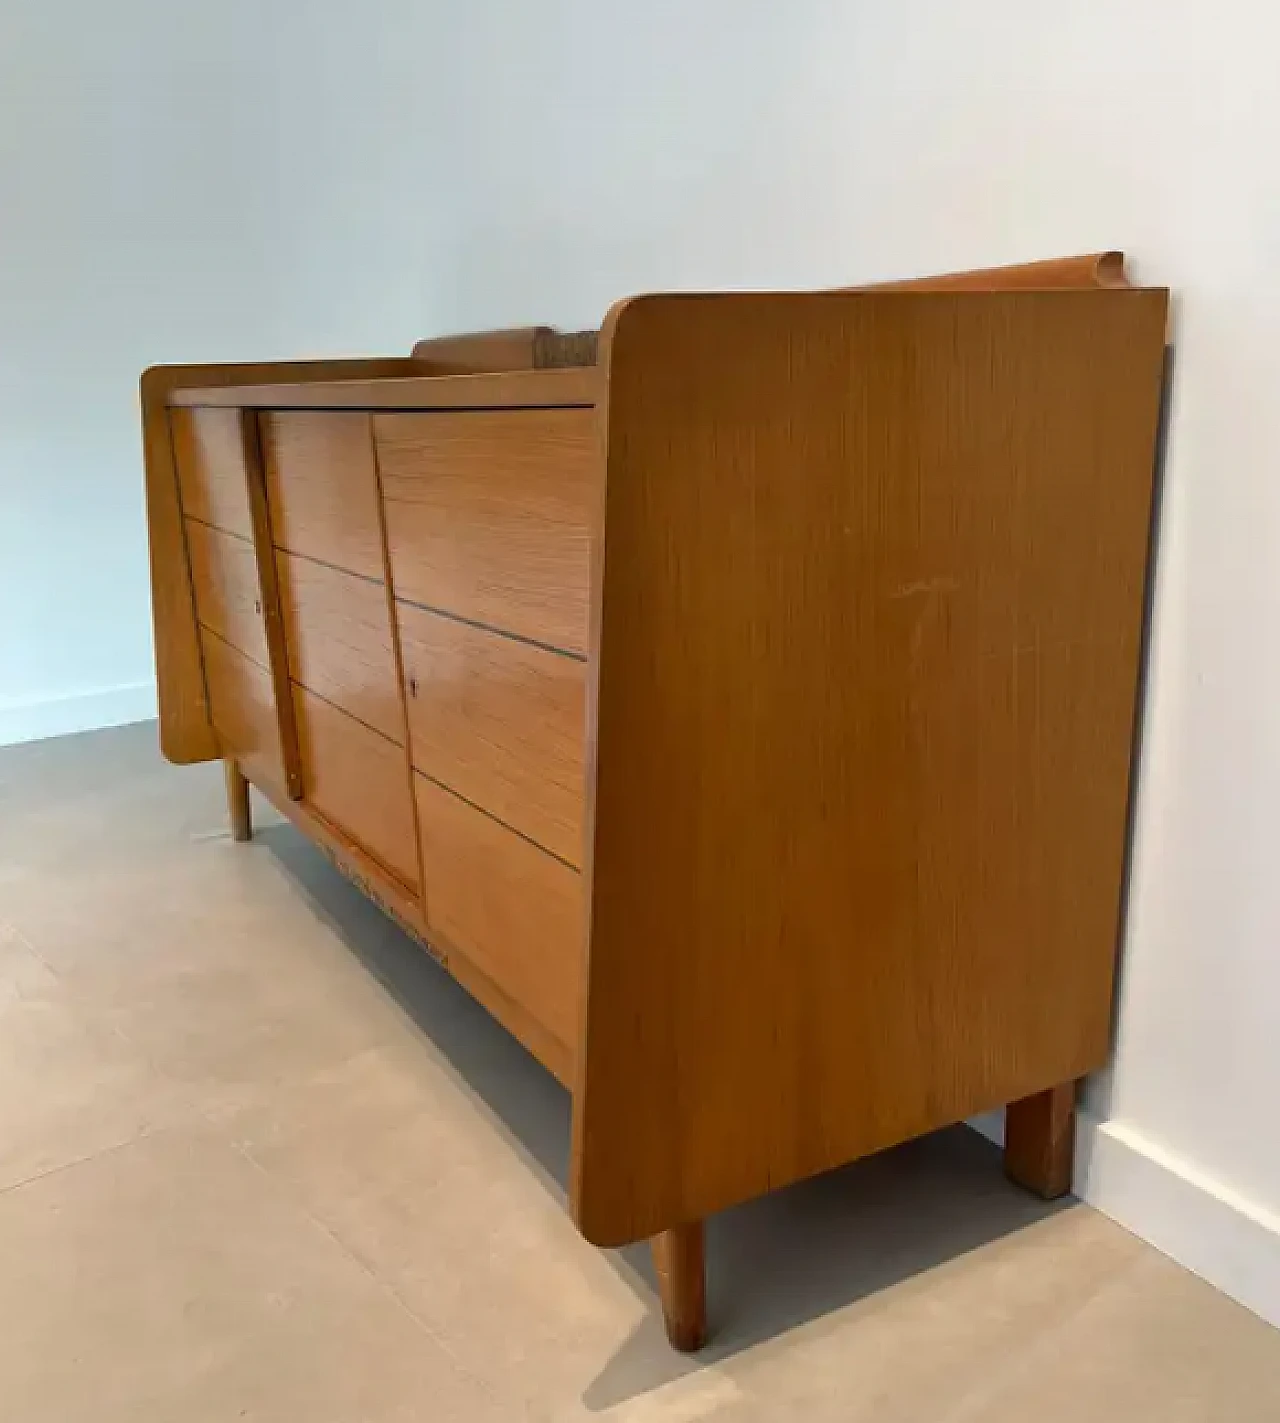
(144, 1135)
(384, 1287)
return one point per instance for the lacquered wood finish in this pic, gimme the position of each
(322, 488)
(224, 577)
(1095, 269)
(511, 908)
(504, 390)
(357, 780)
(680, 1265)
(868, 640)
(239, 812)
(807, 625)
(1039, 1140)
(244, 712)
(489, 516)
(186, 731)
(500, 722)
(338, 634)
(272, 613)
(406, 909)
(209, 449)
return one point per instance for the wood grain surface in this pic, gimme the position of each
(187, 735)
(358, 781)
(500, 722)
(511, 908)
(679, 1261)
(186, 732)
(1092, 269)
(224, 575)
(504, 390)
(867, 638)
(489, 515)
(244, 712)
(239, 809)
(1039, 1140)
(208, 447)
(272, 612)
(338, 634)
(322, 489)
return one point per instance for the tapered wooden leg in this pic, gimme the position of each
(238, 802)
(678, 1260)
(1039, 1140)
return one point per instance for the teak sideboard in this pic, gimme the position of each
(739, 703)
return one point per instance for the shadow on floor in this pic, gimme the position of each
(775, 1263)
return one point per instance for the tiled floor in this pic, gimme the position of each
(260, 1159)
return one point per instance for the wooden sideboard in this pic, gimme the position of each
(739, 704)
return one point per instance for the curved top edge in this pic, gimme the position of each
(1091, 269)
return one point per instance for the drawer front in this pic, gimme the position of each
(208, 449)
(242, 706)
(224, 577)
(509, 907)
(322, 489)
(337, 630)
(359, 782)
(499, 721)
(489, 515)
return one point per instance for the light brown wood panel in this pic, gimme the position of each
(359, 782)
(499, 721)
(224, 574)
(489, 515)
(209, 449)
(338, 635)
(1093, 269)
(186, 733)
(406, 910)
(497, 390)
(512, 349)
(507, 905)
(322, 487)
(868, 638)
(273, 618)
(244, 711)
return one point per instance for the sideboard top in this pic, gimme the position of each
(498, 389)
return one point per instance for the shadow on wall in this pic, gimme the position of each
(774, 1263)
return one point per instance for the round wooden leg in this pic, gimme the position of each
(678, 1258)
(238, 802)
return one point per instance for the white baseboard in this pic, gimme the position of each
(1201, 1223)
(38, 718)
(1197, 1221)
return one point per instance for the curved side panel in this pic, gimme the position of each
(186, 732)
(868, 623)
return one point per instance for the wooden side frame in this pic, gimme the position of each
(186, 731)
(860, 760)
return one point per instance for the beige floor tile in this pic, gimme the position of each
(212, 964)
(70, 1085)
(1158, 1346)
(169, 1281)
(316, 1182)
(411, 1171)
(23, 974)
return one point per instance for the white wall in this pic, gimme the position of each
(257, 179)
(206, 182)
(677, 143)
